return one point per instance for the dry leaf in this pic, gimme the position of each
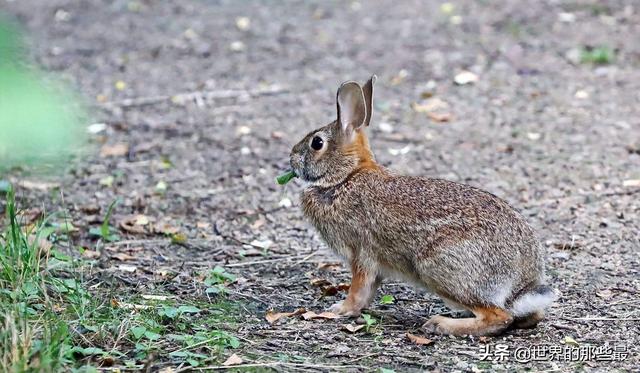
(42, 243)
(419, 340)
(440, 117)
(90, 254)
(165, 229)
(232, 360)
(631, 183)
(116, 150)
(122, 257)
(251, 251)
(329, 266)
(275, 316)
(570, 341)
(37, 185)
(130, 306)
(129, 226)
(604, 293)
(319, 282)
(90, 209)
(135, 224)
(573, 245)
(430, 105)
(203, 225)
(28, 216)
(154, 297)
(352, 328)
(324, 315)
(127, 268)
(333, 290)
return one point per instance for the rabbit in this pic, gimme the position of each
(464, 244)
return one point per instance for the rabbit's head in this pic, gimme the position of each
(329, 154)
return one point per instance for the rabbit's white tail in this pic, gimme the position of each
(536, 299)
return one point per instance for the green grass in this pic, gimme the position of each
(52, 320)
(31, 336)
(601, 55)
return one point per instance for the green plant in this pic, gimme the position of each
(217, 279)
(51, 320)
(106, 231)
(599, 55)
(369, 321)
(31, 336)
(387, 299)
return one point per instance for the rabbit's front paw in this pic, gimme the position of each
(345, 309)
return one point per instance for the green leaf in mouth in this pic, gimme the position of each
(286, 177)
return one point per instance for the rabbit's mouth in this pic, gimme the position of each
(310, 178)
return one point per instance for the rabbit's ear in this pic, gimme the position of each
(352, 109)
(368, 97)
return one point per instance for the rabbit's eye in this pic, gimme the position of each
(316, 143)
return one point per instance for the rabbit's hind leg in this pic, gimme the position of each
(487, 321)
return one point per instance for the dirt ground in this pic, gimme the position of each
(208, 106)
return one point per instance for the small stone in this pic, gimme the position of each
(581, 94)
(190, 34)
(400, 151)
(243, 130)
(285, 202)
(263, 244)
(455, 20)
(243, 23)
(534, 136)
(631, 183)
(565, 17)
(385, 127)
(447, 8)
(237, 46)
(96, 128)
(62, 15)
(465, 77)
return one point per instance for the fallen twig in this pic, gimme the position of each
(601, 319)
(196, 96)
(565, 327)
(242, 264)
(275, 364)
(550, 201)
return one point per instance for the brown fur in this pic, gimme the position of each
(487, 321)
(463, 243)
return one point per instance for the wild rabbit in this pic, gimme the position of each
(464, 244)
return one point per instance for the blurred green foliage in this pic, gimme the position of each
(599, 55)
(41, 121)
